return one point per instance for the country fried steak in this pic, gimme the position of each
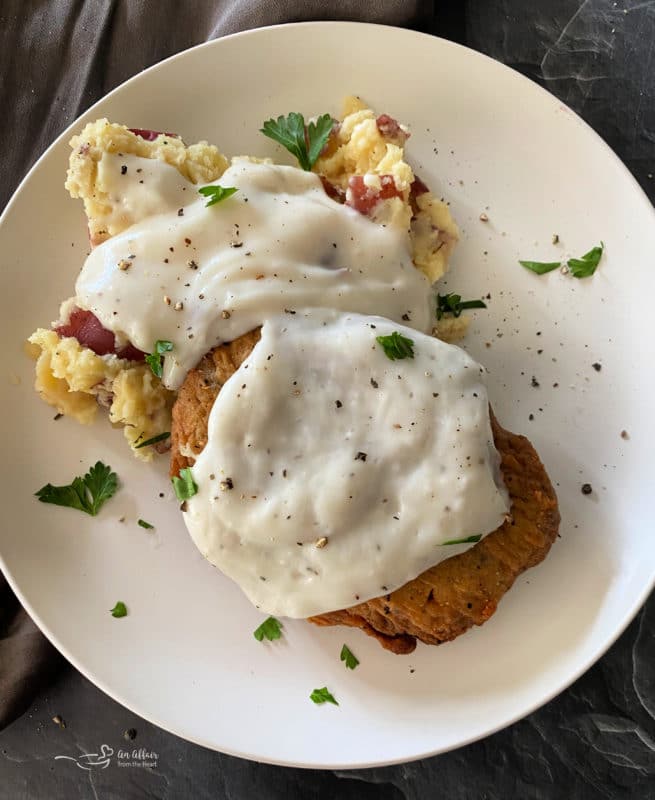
(446, 600)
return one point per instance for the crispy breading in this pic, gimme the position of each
(446, 600)
(196, 398)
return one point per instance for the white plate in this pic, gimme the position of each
(185, 658)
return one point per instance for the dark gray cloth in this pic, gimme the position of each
(59, 57)
(27, 659)
(56, 59)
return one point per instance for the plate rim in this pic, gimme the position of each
(598, 651)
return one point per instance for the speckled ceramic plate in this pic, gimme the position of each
(489, 141)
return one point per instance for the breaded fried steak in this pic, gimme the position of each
(446, 600)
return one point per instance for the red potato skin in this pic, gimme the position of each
(89, 332)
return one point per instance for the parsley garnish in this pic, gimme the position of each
(185, 487)
(578, 267)
(154, 360)
(541, 267)
(158, 438)
(396, 346)
(322, 696)
(347, 656)
(119, 610)
(142, 523)
(585, 266)
(453, 304)
(303, 142)
(270, 629)
(216, 193)
(85, 494)
(475, 538)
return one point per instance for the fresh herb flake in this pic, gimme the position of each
(453, 304)
(467, 540)
(578, 267)
(87, 493)
(396, 346)
(305, 142)
(154, 362)
(158, 438)
(184, 485)
(270, 629)
(318, 133)
(154, 359)
(216, 193)
(143, 524)
(586, 266)
(319, 696)
(348, 657)
(119, 610)
(541, 267)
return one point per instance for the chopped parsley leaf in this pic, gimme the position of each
(158, 438)
(216, 193)
(143, 524)
(467, 540)
(319, 696)
(305, 142)
(541, 267)
(270, 629)
(396, 346)
(453, 304)
(184, 485)
(119, 610)
(348, 657)
(154, 359)
(578, 267)
(87, 493)
(585, 266)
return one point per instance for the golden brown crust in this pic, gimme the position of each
(447, 599)
(465, 590)
(196, 398)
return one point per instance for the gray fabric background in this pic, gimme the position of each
(57, 57)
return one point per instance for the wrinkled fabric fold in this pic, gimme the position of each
(28, 661)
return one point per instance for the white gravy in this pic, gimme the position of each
(333, 474)
(198, 276)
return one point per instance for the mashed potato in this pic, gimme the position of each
(451, 329)
(198, 163)
(361, 148)
(75, 380)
